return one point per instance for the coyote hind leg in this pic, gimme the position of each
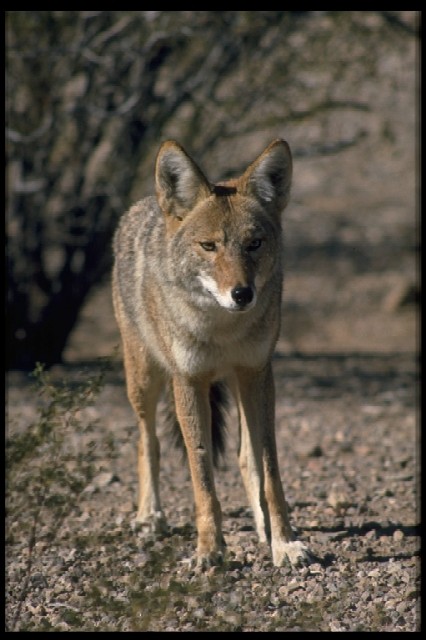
(144, 383)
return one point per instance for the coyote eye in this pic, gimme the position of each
(254, 245)
(208, 246)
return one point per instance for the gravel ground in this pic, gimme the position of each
(347, 441)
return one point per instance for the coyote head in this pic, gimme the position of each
(224, 240)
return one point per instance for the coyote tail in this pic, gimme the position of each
(219, 402)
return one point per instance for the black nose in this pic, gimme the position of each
(242, 295)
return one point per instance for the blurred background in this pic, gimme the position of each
(90, 95)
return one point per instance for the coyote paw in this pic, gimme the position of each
(154, 523)
(204, 561)
(294, 552)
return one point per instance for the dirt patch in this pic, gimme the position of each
(347, 438)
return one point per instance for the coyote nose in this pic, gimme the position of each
(242, 295)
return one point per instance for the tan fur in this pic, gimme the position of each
(196, 283)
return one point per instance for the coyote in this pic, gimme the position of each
(196, 284)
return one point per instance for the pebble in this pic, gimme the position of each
(398, 535)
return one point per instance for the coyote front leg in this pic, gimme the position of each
(194, 416)
(259, 465)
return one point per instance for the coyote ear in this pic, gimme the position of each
(268, 178)
(180, 184)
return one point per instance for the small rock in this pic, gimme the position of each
(38, 580)
(232, 618)
(402, 607)
(102, 480)
(71, 555)
(315, 569)
(307, 448)
(402, 294)
(316, 452)
(391, 604)
(338, 498)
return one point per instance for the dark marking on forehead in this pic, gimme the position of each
(223, 190)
